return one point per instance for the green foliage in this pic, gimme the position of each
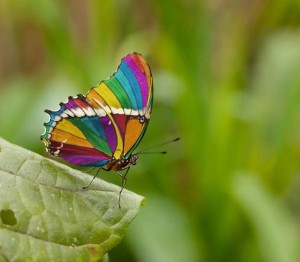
(164, 217)
(46, 215)
(276, 231)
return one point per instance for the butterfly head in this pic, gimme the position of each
(133, 158)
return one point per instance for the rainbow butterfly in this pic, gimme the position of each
(103, 128)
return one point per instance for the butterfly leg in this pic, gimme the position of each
(124, 179)
(85, 187)
(92, 168)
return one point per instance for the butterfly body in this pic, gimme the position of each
(103, 128)
(121, 163)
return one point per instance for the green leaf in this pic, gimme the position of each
(45, 213)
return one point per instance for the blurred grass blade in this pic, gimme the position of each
(276, 231)
(168, 238)
(45, 214)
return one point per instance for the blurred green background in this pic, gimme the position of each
(227, 81)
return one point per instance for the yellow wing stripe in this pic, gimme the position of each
(67, 138)
(68, 127)
(93, 96)
(109, 97)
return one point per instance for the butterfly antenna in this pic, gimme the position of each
(145, 150)
(152, 152)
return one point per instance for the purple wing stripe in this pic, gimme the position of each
(110, 132)
(141, 79)
(80, 159)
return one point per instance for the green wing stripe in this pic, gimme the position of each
(93, 138)
(119, 92)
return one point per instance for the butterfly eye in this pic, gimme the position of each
(142, 119)
(133, 159)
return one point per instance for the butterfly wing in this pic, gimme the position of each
(76, 133)
(109, 122)
(126, 98)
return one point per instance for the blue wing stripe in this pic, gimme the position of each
(124, 83)
(88, 123)
(97, 125)
(133, 83)
(96, 164)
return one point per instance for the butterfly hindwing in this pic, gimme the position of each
(75, 133)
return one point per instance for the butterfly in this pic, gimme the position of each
(102, 128)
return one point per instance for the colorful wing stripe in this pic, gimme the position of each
(119, 92)
(139, 80)
(133, 84)
(122, 79)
